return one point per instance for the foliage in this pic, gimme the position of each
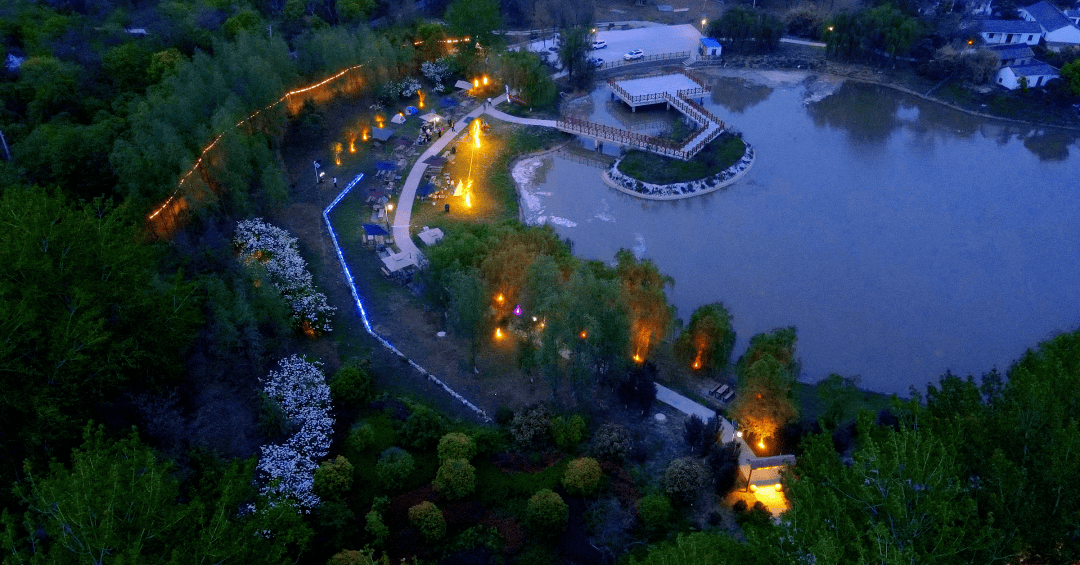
(700, 435)
(612, 442)
(1070, 73)
(706, 343)
(354, 557)
(883, 31)
(637, 389)
(654, 511)
(575, 43)
(437, 72)
(276, 251)
(722, 461)
(394, 467)
(524, 72)
(456, 445)
(547, 512)
(78, 302)
(567, 432)
(683, 479)
(289, 469)
(352, 385)
(333, 478)
(119, 503)
(767, 374)
(530, 426)
(475, 19)
(718, 155)
(456, 478)
(423, 428)
(698, 547)
(376, 528)
(429, 520)
(839, 397)
(582, 476)
(745, 30)
(469, 308)
(651, 316)
(361, 436)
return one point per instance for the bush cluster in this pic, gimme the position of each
(683, 479)
(530, 426)
(456, 445)
(394, 467)
(582, 476)
(334, 478)
(568, 432)
(423, 428)
(547, 512)
(456, 479)
(612, 442)
(429, 520)
(654, 511)
(351, 386)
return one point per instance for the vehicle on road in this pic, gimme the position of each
(599, 44)
(596, 62)
(634, 55)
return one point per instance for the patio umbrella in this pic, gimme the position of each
(435, 161)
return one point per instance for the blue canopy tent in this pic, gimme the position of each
(375, 229)
(448, 102)
(386, 165)
(382, 134)
(425, 190)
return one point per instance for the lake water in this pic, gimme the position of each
(900, 237)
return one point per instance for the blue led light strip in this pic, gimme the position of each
(363, 313)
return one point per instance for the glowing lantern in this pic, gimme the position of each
(352, 145)
(517, 310)
(337, 154)
(753, 488)
(500, 298)
(485, 80)
(476, 83)
(498, 333)
(761, 444)
(421, 95)
(584, 334)
(777, 486)
(468, 199)
(637, 358)
(697, 361)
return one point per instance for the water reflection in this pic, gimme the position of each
(737, 94)
(860, 110)
(1050, 145)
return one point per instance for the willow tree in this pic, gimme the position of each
(651, 317)
(706, 343)
(767, 373)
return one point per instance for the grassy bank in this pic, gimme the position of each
(722, 153)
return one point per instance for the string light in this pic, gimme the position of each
(206, 149)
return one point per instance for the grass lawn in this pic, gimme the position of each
(718, 155)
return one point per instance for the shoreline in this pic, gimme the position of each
(749, 157)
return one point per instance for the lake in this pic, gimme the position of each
(900, 237)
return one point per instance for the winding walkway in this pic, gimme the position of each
(403, 216)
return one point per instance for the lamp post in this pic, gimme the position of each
(317, 164)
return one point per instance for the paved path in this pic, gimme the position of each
(689, 407)
(403, 214)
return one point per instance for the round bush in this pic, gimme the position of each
(333, 478)
(394, 467)
(423, 428)
(351, 386)
(612, 442)
(429, 520)
(530, 427)
(456, 479)
(361, 436)
(352, 557)
(568, 433)
(654, 511)
(456, 445)
(582, 475)
(684, 478)
(547, 512)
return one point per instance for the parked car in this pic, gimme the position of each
(599, 44)
(634, 55)
(596, 62)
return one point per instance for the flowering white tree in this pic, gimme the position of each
(300, 390)
(436, 72)
(276, 250)
(409, 86)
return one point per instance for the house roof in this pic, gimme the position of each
(709, 42)
(1035, 68)
(1049, 17)
(1072, 14)
(1015, 51)
(1009, 26)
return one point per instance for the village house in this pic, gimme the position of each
(1058, 30)
(1035, 74)
(1009, 32)
(1010, 55)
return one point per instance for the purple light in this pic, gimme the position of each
(517, 310)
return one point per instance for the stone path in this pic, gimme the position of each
(690, 408)
(403, 214)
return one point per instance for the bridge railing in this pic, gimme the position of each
(680, 55)
(703, 110)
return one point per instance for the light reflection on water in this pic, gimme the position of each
(902, 238)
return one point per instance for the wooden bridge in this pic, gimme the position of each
(677, 91)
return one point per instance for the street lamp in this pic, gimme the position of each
(318, 177)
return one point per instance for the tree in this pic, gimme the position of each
(354, 11)
(469, 308)
(530, 426)
(706, 343)
(582, 476)
(394, 467)
(423, 428)
(654, 511)
(524, 72)
(334, 478)
(574, 54)
(745, 30)
(765, 402)
(567, 433)
(723, 462)
(698, 547)
(456, 479)
(637, 389)
(456, 445)
(547, 512)
(651, 316)
(475, 19)
(683, 479)
(119, 502)
(612, 442)
(352, 385)
(1070, 73)
(429, 520)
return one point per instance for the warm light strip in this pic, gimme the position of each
(363, 313)
(240, 123)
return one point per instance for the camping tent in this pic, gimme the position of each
(386, 165)
(374, 229)
(382, 134)
(425, 190)
(398, 118)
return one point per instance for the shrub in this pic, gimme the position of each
(429, 520)
(582, 475)
(334, 478)
(361, 436)
(456, 478)
(654, 511)
(351, 385)
(375, 526)
(723, 462)
(568, 433)
(547, 512)
(699, 435)
(423, 428)
(394, 467)
(683, 479)
(456, 445)
(503, 416)
(354, 557)
(612, 442)
(637, 388)
(530, 427)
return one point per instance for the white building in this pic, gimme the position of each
(1009, 32)
(1037, 74)
(1058, 30)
